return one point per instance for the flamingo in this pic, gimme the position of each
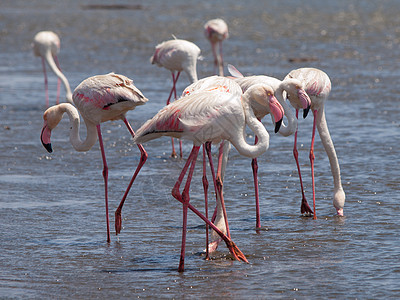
(99, 99)
(46, 44)
(213, 82)
(318, 86)
(209, 116)
(291, 85)
(216, 31)
(177, 55)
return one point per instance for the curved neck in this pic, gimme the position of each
(291, 127)
(56, 70)
(74, 137)
(329, 147)
(239, 141)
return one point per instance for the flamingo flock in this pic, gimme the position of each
(211, 110)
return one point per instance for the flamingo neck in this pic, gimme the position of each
(339, 195)
(239, 141)
(56, 70)
(291, 127)
(74, 137)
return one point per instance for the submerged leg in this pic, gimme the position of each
(105, 176)
(305, 208)
(143, 158)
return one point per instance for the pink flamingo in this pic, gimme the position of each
(99, 99)
(177, 55)
(276, 110)
(216, 31)
(318, 86)
(46, 44)
(209, 116)
(291, 85)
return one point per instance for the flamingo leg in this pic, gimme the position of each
(46, 84)
(205, 187)
(312, 158)
(184, 199)
(216, 60)
(143, 158)
(218, 182)
(173, 90)
(58, 80)
(105, 176)
(218, 185)
(235, 251)
(220, 60)
(254, 166)
(305, 208)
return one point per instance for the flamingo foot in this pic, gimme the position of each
(305, 208)
(235, 251)
(118, 221)
(173, 154)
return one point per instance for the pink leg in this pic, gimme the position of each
(58, 81)
(182, 198)
(254, 166)
(173, 90)
(219, 184)
(105, 176)
(143, 158)
(305, 208)
(205, 187)
(221, 60)
(312, 157)
(46, 84)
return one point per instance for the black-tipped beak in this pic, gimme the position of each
(278, 125)
(305, 112)
(48, 147)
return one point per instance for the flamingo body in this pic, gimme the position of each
(177, 55)
(318, 86)
(216, 31)
(205, 116)
(99, 99)
(46, 44)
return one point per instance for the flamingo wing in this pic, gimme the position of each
(200, 117)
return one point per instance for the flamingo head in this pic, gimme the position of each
(52, 116)
(338, 200)
(260, 93)
(297, 95)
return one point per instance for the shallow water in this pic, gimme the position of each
(53, 241)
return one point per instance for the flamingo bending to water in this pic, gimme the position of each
(318, 86)
(46, 44)
(209, 116)
(99, 99)
(280, 88)
(216, 31)
(276, 110)
(176, 56)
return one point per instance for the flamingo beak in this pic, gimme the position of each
(305, 101)
(45, 137)
(278, 125)
(277, 112)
